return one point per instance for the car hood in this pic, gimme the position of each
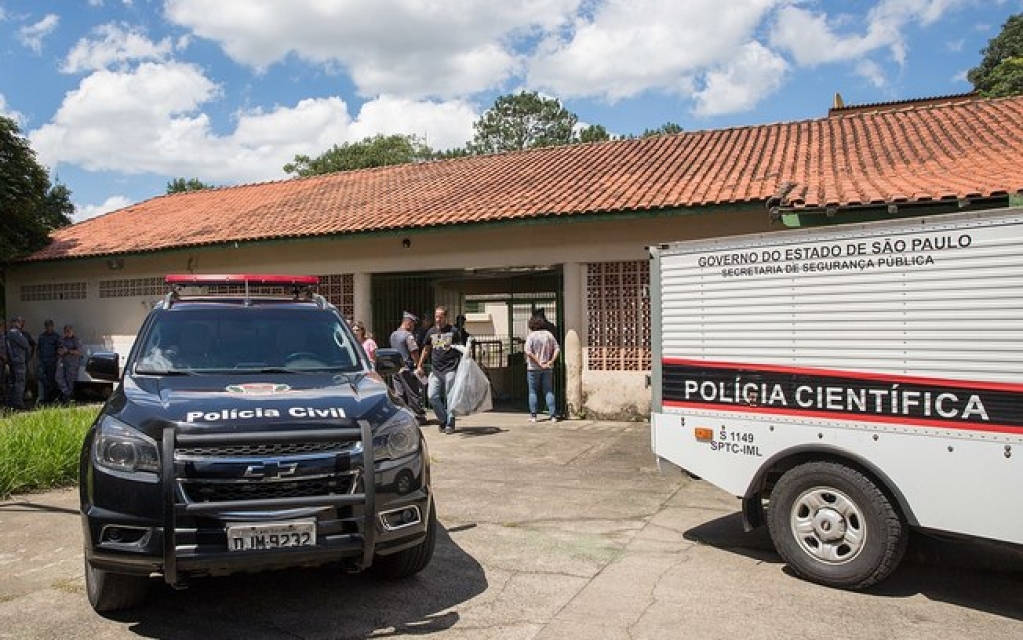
(239, 403)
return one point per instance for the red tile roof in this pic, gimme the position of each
(919, 153)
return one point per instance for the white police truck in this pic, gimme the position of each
(848, 383)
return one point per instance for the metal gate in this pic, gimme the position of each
(507, 297)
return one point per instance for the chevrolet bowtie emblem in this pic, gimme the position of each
(271, 469)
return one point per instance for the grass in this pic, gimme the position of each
(40, 449)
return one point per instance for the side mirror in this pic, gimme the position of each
(388, 362)
(103, 365)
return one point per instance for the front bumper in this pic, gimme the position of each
(146, 527)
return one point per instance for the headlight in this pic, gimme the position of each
(120, 448)
(396, 438)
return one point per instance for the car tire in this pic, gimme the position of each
(409, 561)
(834, 526)
(110, 592)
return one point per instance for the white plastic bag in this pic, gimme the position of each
(470, 392)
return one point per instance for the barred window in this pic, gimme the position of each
(132, 287)
(618, 316)
(53, 291)
(339, 290)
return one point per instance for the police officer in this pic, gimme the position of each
(19, 352)
(48, 343)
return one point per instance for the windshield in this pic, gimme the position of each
(239, 339)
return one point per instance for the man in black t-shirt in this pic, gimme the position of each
(439, 346)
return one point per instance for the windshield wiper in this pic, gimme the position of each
(165, 372)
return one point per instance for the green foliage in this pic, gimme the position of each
(30, 206)
(40, 449)
(523, 121)
(666, 129)
(378, 151)
(1000, 72)
(180, 185)
(594, 133)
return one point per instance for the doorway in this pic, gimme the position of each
(497, 305)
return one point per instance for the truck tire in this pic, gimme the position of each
(409, 561)
(834, 526)
(109, 592)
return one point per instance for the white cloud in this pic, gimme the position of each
(442, 125)
(113, 203)
(150, 120)
(755, 73)
(5, 111)
(32, 35)
(404, 48)
(115, 44)
(815, 38)
(630, 46)
(872, 73)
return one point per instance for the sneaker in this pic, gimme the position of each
(449, 429)
(532, 418)
(554, 418)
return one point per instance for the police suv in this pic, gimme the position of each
(249, 432)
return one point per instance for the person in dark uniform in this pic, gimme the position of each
(19, 352)
(48, 343)
(407, 385)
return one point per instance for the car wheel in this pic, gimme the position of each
(109, 592)
(409, 561)
(834, 526)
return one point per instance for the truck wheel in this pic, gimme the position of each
(109, 592)
(412, 560)
(834, 526)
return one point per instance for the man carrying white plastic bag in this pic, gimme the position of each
(470, 392)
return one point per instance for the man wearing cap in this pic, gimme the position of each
(406, 384)
(18, 354)
(47, 343)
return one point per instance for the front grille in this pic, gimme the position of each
(199, 491)
(274, 465)
(260, 450)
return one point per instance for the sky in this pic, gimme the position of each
(119, 97)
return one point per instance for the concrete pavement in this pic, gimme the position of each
(549, 531)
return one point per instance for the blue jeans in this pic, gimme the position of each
(437, 389)
(541, 381)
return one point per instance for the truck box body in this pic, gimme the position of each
(895, 348)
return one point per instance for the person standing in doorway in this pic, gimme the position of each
(440, 347)
(406, 383)
(18, 354)
(541, 351)
(48, 343)
(70, 351)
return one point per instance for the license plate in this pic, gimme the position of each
(271, 535)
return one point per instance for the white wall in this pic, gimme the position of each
(562, 241)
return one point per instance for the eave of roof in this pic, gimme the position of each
(949, 151)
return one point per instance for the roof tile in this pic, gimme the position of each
(919, 153)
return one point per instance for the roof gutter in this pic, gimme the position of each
(794, 217)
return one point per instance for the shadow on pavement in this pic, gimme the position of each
(475, 432)
(36, 507)
(322, 602)
(979, 575)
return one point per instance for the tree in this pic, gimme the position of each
(594, 133)
(378, 151)
(666, 129)
(1000, 72)
(523, 121)
(180, 185)
(30, 206)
